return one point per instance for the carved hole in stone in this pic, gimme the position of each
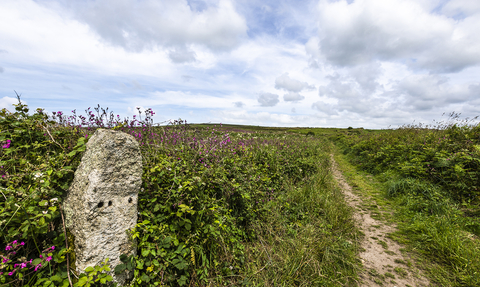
(110, 203)
(100, 204)
(130, 200)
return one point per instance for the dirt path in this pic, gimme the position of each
(383, 261)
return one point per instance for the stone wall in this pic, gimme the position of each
(101, 204)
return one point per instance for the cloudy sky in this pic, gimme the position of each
(360, 63)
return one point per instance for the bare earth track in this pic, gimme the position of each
(383, 261)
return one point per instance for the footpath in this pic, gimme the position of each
(385, 262)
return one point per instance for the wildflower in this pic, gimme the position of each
(7, 145)
(23, 265)
(8, 247)
(49, 258)
(38, 266)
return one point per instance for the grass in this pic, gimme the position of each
(318, 250)
(437, 228)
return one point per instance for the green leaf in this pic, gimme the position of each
(37, 261)
(56, 278)
(81, 281)
(119, 268)
(145, 277)
(145, 252)
(89, 269)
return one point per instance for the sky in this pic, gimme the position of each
(362, 63)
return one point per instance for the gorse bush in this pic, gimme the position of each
(447, 154)
(203, 190)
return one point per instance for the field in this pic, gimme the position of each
(229, 205)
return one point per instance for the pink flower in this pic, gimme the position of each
(8, 247)
(38, 267)
(23, 265)
(49, 258)
(41, 256)
(11, 273)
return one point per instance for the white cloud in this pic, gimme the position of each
(137, 25)
(368, 30)
(293, 97)
(268, 99)
(425, 92)
(238, 104)
(182, 55)
(289, 84)
(375, 63)
(7, 103)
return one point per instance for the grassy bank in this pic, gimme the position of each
(428, 178)
(218, 206)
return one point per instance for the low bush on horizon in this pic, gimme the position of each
(204, 195)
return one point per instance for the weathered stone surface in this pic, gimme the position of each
(101, 204)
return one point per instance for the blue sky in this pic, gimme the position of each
(365, 63)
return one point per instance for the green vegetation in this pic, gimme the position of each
(219, 206)
(230, 205)
(429, 177)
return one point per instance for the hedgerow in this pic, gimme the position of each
(202, 191)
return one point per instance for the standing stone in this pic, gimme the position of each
(101, 204)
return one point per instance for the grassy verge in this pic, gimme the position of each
(433, 229)
(309, 239)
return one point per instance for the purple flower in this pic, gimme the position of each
(8, 247)
(7, 145)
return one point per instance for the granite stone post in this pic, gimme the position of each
(101, 204)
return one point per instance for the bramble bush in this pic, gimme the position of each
(202, 191)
